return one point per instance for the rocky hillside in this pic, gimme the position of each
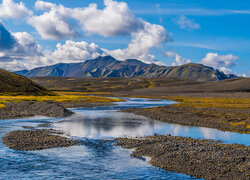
(109, 67)
(11, 83)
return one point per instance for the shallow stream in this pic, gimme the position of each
(95, 158)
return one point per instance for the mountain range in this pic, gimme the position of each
(107, 66)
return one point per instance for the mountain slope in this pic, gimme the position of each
(11, 83)
(107, 66)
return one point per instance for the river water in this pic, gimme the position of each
(95, 158)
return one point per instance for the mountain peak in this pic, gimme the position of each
(133, 61)
(104, 58)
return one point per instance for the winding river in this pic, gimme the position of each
(95, 158)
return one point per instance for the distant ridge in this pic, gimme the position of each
(11, 83)
(108, 66)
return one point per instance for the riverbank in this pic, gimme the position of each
(227, 114)
(37, 139)
(236, 120)
(200, 158)
(31, 108)
(51, 106)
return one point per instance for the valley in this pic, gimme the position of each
(221, 106)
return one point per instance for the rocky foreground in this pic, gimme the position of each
(36, 140)
(200, 158)
(31, 108)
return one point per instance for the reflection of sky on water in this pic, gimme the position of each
(102, 123)
(105, 124)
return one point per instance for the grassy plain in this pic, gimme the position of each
(224, 105)
(210, 102)
(67, 97)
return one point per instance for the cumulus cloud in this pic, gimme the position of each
(26, 44)
(186, 23)
(26, 53)
(18, 50)
(11, 10)
(226, 70)
(178, 60)
(55, 22)
(42, 5)
(215, 60)
(13, 65)
(73, 51)
(115, 19)
(142, 41)
(58, 22)
(246, 74)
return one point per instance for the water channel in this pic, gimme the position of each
(95, 158)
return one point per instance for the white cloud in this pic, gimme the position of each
(178, 60)
(18, 43)
(246, 74)
(25, 53)
(58, 22)
(186, 23)
(115, 19)
(13, 65)
(70, 52)
(170, 54)
(215, 60)
(26, 44)
(19, 50)
(42, 5)
(226, 70)
(12, 10)
(73, 51)
(142, 41)
(55, 22)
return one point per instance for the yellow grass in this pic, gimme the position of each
(57, 98)
(80, 93)
(2, 105)
(237, 123)
(213, 102)
(201, 102)
(151, 84)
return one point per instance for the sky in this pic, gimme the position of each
(36, 33)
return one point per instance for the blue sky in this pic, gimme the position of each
(212, 32)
